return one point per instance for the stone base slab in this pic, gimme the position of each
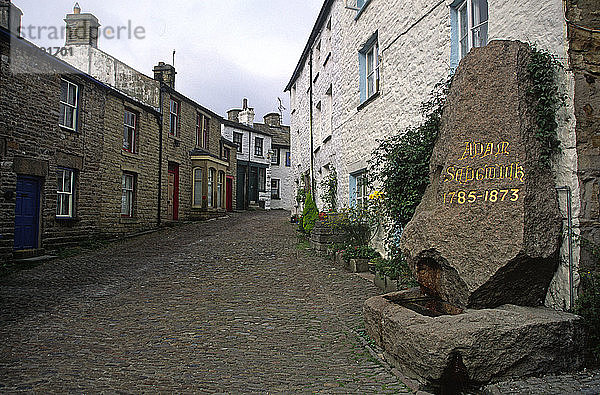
(475, 347)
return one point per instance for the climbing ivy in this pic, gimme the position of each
(544, 94)
(400, 164)
(329, 187)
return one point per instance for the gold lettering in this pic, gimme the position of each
(469, 171)
(489, 147)
(519, 172)
(479, 176)
(449, 174)
(502, 148)
(490, 173)
(478, 152)
(459, 173)
(468, 150)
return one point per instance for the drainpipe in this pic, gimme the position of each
(567, 189)
(160, 150)
(248, 172)
(312, 159)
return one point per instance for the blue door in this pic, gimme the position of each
(27, 211)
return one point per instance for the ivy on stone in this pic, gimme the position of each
(544, 94)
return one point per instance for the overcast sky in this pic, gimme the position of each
(226, 49)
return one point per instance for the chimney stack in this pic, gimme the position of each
(273, 119)
(10, 17)
(233, 114)
(82, 29)
(246, 116)
(165, 73)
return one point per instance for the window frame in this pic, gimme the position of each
(220, 185)
(472, 28)
(174, 117)
(258, 148)
(369, 67)
(277, 181)
(241, 142)
(210, 187)
(133, 146)
(64, 105)
(202, 130)
(275, 159)
(129, 213)
(195, 181)
(61, 193)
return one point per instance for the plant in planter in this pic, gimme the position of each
(358, 257)
(309, 214)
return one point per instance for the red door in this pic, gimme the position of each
(229, 194)
(173, 194)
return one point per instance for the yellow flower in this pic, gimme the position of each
(376, 195)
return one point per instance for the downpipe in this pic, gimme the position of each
(567, 189)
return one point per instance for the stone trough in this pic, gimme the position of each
(448, 348)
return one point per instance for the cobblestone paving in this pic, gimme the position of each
(231, 305)
(587, 382)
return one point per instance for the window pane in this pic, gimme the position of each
(64, 88)
(370, 61)
(59, 199)
(480, 35)
(464, 22)
(69, 119)
(197, 187)
(59, 181)
(67, 181)
(72, 94)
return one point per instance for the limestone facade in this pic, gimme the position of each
(336, 122)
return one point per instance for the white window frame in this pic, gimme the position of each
(275, 159)
(372, 69)
(258, 148)
(202, 131)
(66, 106)
(473, 26)
(174, 117)
(241, 142)
(220, 182)
(130, 132)
(197, 187)
(210, 186)
(361, 190)
(278, 185)
(369, 69)
(62, 194)
(127, 195)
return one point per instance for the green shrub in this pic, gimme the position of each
(360, 252)
(588, 306)
(309, 214)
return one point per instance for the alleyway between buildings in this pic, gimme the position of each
(231, 305)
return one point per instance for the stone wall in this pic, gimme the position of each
(584, 50)
(33, 143)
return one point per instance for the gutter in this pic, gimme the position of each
(312, 154)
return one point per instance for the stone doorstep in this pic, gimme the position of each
(36, 259)
(484, 346)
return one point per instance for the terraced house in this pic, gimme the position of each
(78, 157)
(369, 64)
(197, 173)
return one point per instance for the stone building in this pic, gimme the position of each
(281, 181)
(66, 173)
(195, 174)
(368, 65)
(253, 154)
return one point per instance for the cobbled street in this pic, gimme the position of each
(230, 305)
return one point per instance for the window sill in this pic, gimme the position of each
(66, 219)
(327, 59)
(359, 13)
(128, 220)
(368, 101)
(129, 154)
(66, 129)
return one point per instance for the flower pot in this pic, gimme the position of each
(359, 265)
